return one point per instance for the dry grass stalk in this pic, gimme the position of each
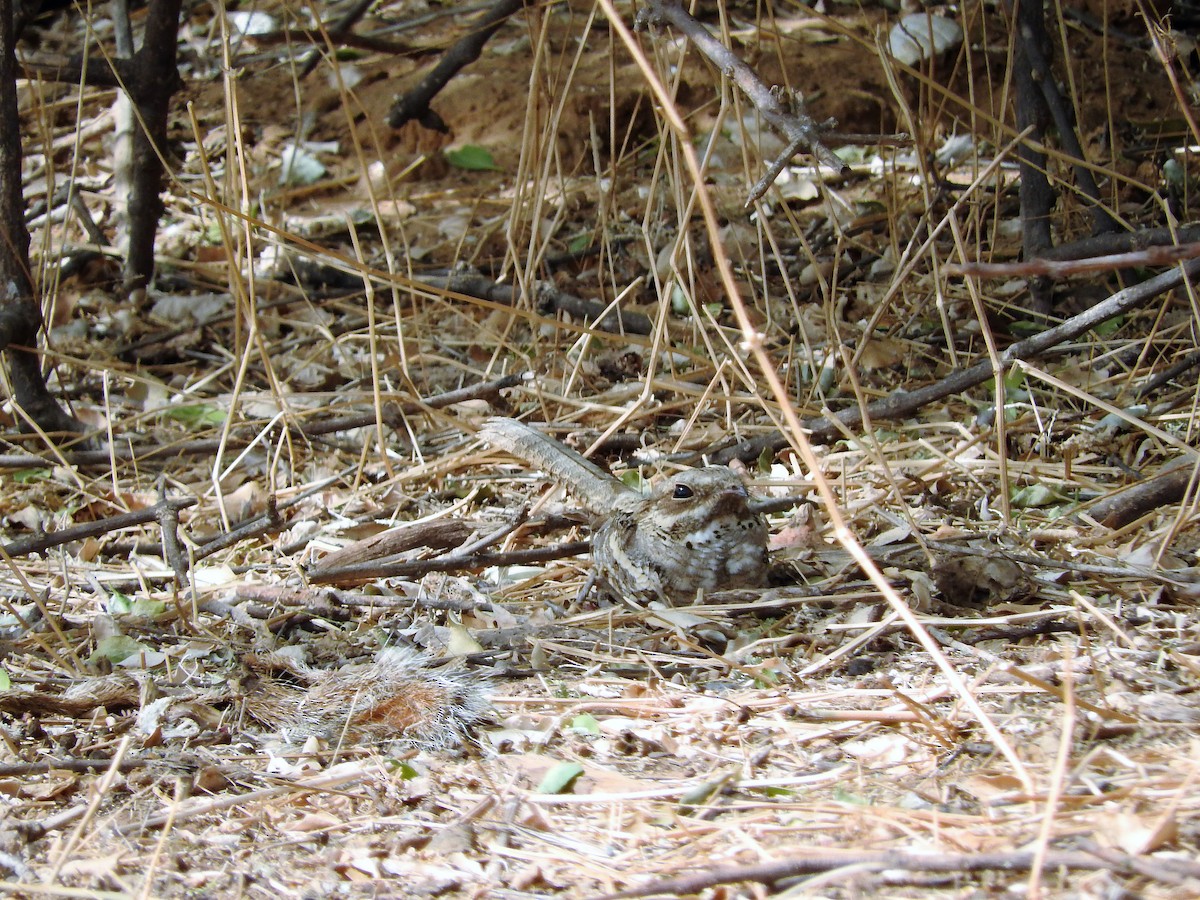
(865, 716)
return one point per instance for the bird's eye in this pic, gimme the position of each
(683, 492)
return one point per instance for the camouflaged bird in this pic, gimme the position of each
(696, 533)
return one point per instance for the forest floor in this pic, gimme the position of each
(1001, 702)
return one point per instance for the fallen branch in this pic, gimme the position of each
(393, 415)
(825, 860)
(1108, 243)
(1166, 487)
(903, 403)
(548, 299)
(337, 777)
(795, 125)
(273, 596)
(1052, 268)
(43, 542)
(452, 563)
(268, 523)
(415, 104)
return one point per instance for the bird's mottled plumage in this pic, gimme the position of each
(696, 533)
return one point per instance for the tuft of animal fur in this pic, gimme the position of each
(397, 699)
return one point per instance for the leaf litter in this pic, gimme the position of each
(160, 720)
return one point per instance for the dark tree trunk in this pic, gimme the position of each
(1037, 197)
(154, 79)
(20, 311)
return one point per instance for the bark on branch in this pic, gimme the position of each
(904, 403)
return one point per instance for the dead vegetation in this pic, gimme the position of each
(975, 672)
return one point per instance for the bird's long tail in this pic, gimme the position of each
(596, 489)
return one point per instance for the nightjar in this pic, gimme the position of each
(697, 532)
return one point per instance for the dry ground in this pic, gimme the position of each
(1041, 740)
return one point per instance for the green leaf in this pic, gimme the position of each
(766, 459)
(197, 415)
(680, 304)
(702, 792)
(142, 607)
(580, 243)
(29, 476)
(5, 681)
(145, 608)
(1109, 327)
(1025, 328)
(560, 778)
(403, 769)
(1014, 385)
(851, 154)
(1035, 495)
(585, 724)
(116, 648)
(765, 678)
(118, 604)
(844, 796)
(632, 478)
(472, 157)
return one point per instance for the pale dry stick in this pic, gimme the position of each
(1014, 671)
(1185, 792)
(794, 124)
(796, 434)
(1000, 421)
(160, 845)
(350, 103)
(850, 646)
(731, 359)
(47, 616)
(1104, 618)
(1054, 790)
(100, 792)
(367, 571)
(260, 437)
(237, 287)
(531, 192)
(334, 778)
(906, 269)
(112, 438)
(1141, 424)
(952, 462)
(1187, 507)
(243, 290)
(23, 889)
(586, 338)
(808, 860)
(955, 621)
(647, 393)
(1049, 268)
(373, 338)
(922, 162)
(866, 438)
(347, 264)
(1156, 33)
(52, 446)
(664, 169)
(546, 150)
